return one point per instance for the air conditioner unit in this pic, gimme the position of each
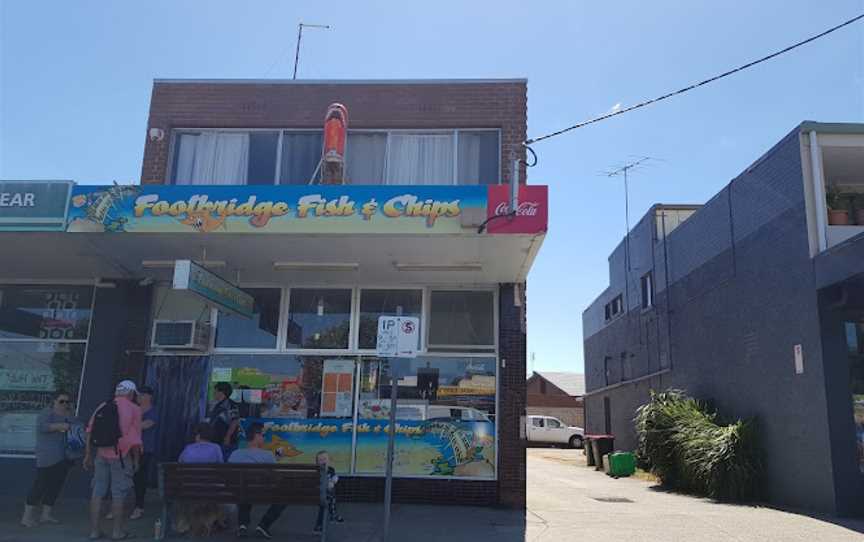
(180, 335)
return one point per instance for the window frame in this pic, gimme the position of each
(427, 316)
(175, 132)
(647, 298)
(86, 342)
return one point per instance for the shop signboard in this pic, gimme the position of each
(188, 275)
(319, 209)
(34, 205)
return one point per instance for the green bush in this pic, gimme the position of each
(683, 444)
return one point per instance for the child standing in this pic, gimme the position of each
(322, 458)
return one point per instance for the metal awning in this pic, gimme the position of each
(392, 259)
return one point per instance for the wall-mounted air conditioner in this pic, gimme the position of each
(180, 335)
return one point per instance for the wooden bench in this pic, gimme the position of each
(234, 483)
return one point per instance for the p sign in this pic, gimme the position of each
(398, 336)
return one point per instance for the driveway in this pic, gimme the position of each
(566, 501)
(569, 501)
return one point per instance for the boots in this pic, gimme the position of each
(47, 517)
(29, 518)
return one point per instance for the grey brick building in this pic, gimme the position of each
(754, 301)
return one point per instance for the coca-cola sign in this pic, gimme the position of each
(531, 214)
(525, 208)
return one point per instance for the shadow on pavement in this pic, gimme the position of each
(363, 523)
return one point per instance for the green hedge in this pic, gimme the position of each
(683, 444)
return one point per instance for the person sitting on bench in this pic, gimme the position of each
(254, 452)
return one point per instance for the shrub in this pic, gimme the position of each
(683, 444)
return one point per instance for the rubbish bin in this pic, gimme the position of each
(602, 445)
(589, 450)
(621, 464)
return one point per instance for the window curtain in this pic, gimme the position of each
(420, 159)
(365, 155)
(181, 384)
(213, 158)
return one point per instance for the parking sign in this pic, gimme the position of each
(398, 336)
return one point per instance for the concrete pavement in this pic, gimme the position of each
(566, 501)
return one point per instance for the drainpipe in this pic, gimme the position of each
(819, 191)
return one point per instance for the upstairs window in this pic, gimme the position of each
(614, 307)
(225, 157)
(430, 157)
(647, 285)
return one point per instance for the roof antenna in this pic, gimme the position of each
(623, 171)
(300, 37)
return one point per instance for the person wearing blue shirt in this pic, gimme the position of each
(255, 453)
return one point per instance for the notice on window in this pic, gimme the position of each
(337, 388)
(221, 374)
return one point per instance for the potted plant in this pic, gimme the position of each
(858, 201)
(838, 207)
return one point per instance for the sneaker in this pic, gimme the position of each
(263, 533)
(337, 519)
(317, 529)
(138, 513)
(242, 531)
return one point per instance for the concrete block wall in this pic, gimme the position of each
(743, 296)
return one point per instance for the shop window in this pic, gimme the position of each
(319, 318)
(376, 303)
(855, 342)
(43, 337)
(45, 312)
(301, 153)
(260, 331)
(305, 403)
(462, 319)
(445, 416)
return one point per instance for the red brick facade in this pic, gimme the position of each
(384, 105)
(421, 105)
(544, 398)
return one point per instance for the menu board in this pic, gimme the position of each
(337, 388)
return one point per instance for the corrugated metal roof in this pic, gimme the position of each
(571, 383)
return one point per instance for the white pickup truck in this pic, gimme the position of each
(551, 430)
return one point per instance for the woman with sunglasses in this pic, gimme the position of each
(51, 463)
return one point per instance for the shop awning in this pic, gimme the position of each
(324, 258)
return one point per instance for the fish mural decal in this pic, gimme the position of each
(204, 222)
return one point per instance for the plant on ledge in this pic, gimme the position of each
(682, 442)
(838, 206)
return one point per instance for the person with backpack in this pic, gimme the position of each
(52, 464)
(115, 435)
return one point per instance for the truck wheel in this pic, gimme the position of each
(575, 441)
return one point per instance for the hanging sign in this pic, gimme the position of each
(188, 275)
(398, 337)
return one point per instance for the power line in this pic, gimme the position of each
(696, 85)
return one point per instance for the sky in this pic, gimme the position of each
(75, 82)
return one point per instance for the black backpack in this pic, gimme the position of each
(105, 432)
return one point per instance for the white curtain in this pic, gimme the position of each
(420, 159)
(212, 158)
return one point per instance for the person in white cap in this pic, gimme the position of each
(115, 433)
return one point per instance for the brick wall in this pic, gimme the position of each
(238, 104)
(511, 398)
(569, 415)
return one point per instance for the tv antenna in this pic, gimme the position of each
(624, 171)
(300, 28)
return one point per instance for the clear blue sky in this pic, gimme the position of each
(75, 80)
